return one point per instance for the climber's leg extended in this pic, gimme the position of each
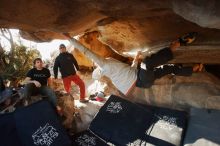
(172, 69)
(159, 58)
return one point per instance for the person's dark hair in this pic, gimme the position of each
(37, 59)
(62, 45)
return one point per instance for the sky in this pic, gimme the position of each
(45, 49)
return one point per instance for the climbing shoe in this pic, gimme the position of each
(83, 100)
(188, 38)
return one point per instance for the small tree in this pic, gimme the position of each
(17, 61)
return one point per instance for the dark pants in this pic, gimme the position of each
(156, 68)
(5, 94)
(31, 89)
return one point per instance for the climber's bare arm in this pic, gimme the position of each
(136, 59)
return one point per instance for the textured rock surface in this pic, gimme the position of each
(202, 12)
(90, 40)
(200, 90)
(123, 25)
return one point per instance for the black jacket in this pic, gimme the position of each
(65, 62)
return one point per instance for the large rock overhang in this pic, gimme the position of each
(123, 25)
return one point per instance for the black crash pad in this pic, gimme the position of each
(122, 122)
(203, 128)
(36, 124)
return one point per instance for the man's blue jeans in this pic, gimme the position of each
(7, 93)
(31, 89)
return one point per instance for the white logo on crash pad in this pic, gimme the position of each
(45, 135)
(114, 107)
(86, 140)
(166, 122)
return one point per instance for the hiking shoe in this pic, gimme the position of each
(83, 100)
(188, 38)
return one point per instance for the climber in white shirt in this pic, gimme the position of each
(125, 77)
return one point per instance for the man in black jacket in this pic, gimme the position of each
(67, 64)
